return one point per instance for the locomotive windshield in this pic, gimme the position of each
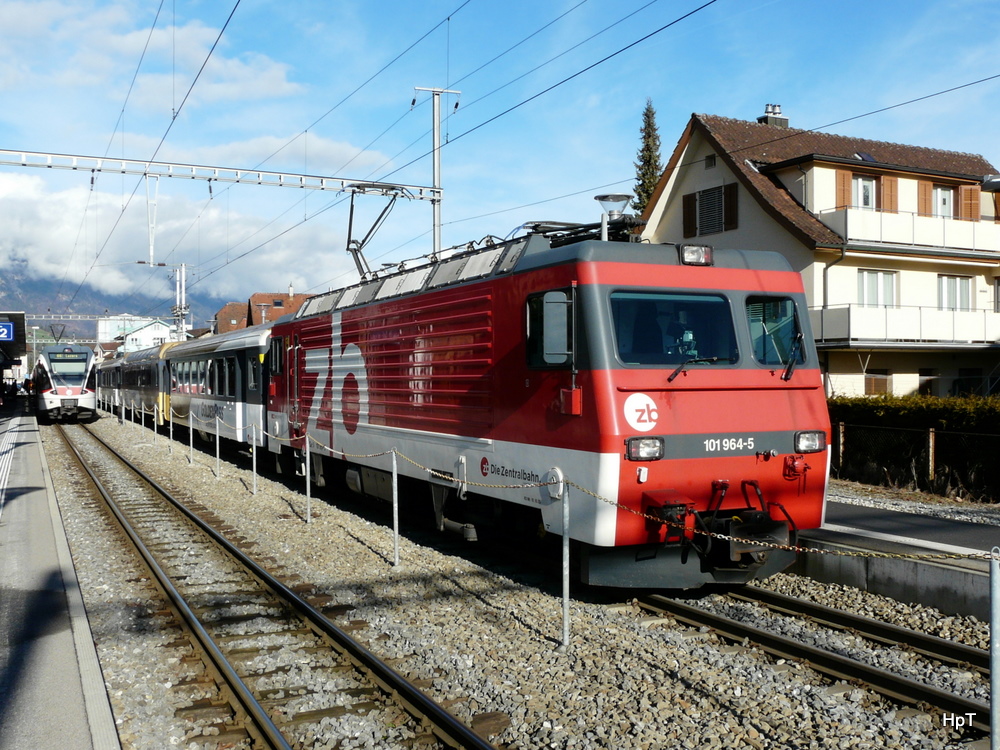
(668, 328)
(68, 368)
(774, 330)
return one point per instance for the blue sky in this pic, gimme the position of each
(325, 88)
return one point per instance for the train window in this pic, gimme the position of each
(275, 355)
(231, 376)
(69, 368)
(550, 329)
(219, 382)
(668, 328)
(774, 330)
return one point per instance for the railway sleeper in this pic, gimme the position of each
(246, 636)
(223, 735)
(283, 694)
(205, 709)
(333, 712)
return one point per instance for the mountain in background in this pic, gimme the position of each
(38, 297)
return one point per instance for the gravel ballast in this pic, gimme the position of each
(486, 643)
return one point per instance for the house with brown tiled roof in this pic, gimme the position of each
(262, 307)
(267, 307)
(231, 317)
(898, 246)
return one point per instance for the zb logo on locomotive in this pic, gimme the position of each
(341, 377)
(640, 412)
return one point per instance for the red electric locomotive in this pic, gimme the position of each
(677, 390)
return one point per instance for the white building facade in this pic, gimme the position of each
(898, 246)
(135, 333)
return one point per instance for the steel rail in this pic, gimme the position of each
(267, 731)
(444, 725)
(885, 683)
(929, 645)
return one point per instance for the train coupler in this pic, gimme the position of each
(754, 533)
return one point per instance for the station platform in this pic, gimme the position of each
(52, 694)
(906, 556)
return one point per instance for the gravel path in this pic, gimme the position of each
(486, 643)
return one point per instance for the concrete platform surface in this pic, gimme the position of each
(52, 692)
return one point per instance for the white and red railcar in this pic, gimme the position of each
(679, 387)
(64, 383)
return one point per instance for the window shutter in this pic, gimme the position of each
(690, 209)
(968, 202)
(843, 189)
(996, 208)
(925, 199)
(890, 194)
(730, 206)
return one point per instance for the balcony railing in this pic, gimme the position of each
(904, 228)
(849, 323)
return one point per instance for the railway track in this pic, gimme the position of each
(287, 675)
(885, 682)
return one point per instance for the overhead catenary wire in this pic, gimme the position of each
(541, 93)
(163, 139)
(111, 140)
(866, 114)
(783, 137)
(307, 217)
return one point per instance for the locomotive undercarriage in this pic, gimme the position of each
(725, 545)
(735, 546)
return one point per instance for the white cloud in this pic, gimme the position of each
(74, 234)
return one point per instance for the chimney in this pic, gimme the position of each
(291, 293)
(772, 116)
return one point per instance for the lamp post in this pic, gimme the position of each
(613, 205)
(34, 351)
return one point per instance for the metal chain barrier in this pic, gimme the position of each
(798, 549)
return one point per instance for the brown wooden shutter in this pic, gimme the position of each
(843, 189)
(730, 205)
(968, 203)
(890, 194)
(689, 205)
(996, 208)
(925, 198)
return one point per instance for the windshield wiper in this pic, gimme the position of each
(796, 346)
(682, 365)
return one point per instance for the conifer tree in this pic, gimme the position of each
(648, 169)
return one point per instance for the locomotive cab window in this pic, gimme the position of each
(550, 338)
(669, 328)
(774, 330)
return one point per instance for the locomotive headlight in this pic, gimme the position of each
(810, 441)
(695, 255)
(644, 448)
